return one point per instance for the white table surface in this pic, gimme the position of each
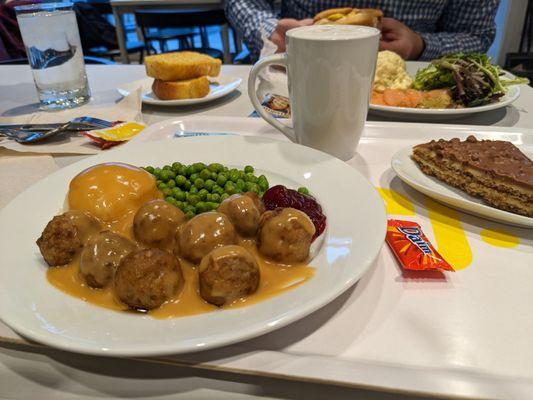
(45, 373)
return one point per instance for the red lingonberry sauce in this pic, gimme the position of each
(280, 196)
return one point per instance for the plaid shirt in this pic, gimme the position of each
(447, 26)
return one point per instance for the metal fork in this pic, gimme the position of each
(27, 133)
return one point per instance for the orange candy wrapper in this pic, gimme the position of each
(412, 248)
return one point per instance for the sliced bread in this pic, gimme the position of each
(181, 65)
(179, 90)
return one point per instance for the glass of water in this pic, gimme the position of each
(52, 40)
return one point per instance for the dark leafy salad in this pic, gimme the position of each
(472, 79)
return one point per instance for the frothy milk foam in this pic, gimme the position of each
(332, 32)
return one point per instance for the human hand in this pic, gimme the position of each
(278, 36)
(397, 37)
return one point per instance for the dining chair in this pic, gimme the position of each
(103, 7)
(172, 24)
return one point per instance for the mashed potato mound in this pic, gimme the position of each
(390, 72)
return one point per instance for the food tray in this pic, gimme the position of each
(463, 334)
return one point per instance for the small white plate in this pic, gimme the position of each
(513, 93)
(352, 240)
(219, 87)
(409, 172)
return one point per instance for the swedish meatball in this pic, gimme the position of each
(155, 223)
(285, 235)
(101, 256)
(226, 274)
(147, 278)
(60, 241)
(244, 210)
(204, 233)
(85, 222)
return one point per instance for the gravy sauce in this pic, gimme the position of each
(113, 193)
(275, 279)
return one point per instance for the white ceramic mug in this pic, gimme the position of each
(330, 74)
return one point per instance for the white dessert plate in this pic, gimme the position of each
(39, 311)
(219, 87)
(412, 67)
(409, 172)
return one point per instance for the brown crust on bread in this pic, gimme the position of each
(180, 90)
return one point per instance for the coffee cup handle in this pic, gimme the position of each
(275, 59)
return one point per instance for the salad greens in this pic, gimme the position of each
(472, 79)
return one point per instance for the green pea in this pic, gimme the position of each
(221, 179)
(193, 190)
(149, 169)
(262, 181)
(180, 204)
(240, 184)
(201, 207)
(157, 182)
(254, 188)
(234, 175)
(217, 189)
(248, 186)
(249, 169)
(199, 166)
(214, 176)
(193, 199)
(215, 197)
(157, 172)
(178, 193)
(303, 190)
(209, 183)
(187, 185)
(171, 183)
(176, 167)
(203, 194)
(162, 186)
(194, 176)
(205, 174)
(170, 200)
(223, 197)
(213, 205)
(180, 180)
(182, 170)
(230, 188)
(215, 167)
(199, 183)
(209, 197)
(251, 178)
(167, 174)
(167, 191)
(189, 214)
(189, 170)
(167, 167)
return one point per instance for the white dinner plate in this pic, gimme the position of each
(409, 172)
(218, 87)
(513, 93)
(37, 310)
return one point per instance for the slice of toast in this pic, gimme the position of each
(179, 90)
(181, 65)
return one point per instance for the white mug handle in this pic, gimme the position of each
(277, 59)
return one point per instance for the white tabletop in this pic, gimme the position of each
(45, 373)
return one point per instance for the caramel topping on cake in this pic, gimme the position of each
(496, 157)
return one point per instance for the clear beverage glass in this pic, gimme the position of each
(52, 40)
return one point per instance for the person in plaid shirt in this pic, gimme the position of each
(415, 29)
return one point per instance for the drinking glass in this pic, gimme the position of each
(52, 41)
